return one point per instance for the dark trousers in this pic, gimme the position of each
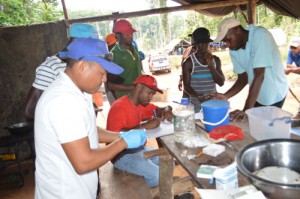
(277, 104)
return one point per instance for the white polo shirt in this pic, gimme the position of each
(63, 114)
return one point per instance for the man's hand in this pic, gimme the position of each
(167, 114)
(290, 66)
(180, 85)
(218, 96)
(209, 59)
(287, 71)
(237, 114)
(134, 138)
(203, 98)
(152, 123)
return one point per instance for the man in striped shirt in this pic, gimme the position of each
(201, 70)
(48, 71)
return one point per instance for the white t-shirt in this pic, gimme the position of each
(47, 72)
(63, 114)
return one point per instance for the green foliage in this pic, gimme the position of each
(13, 12)
(103, 27)
(24, 12)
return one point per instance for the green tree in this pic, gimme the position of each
(164, 22)
(24, 12)
(102, 26)
(13, 12)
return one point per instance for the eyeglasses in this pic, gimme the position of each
(108, 57)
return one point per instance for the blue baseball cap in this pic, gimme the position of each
(79, 30)
(90, 49)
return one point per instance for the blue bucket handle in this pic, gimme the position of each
(286, 119)
(210, 123)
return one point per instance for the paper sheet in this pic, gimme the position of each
(245, 192)
(212, 194)
(165, 128)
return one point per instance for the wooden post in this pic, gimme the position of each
(65, 10)
(199, 6)
(240, 10)
(166, 165)
(251, 12)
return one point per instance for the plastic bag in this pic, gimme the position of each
(227, 132)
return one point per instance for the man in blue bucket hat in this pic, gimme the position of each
(66, 136)
(48, 71)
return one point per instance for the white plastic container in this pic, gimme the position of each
(269, 122)
(214, 150)
(226, 178)
(184, 120)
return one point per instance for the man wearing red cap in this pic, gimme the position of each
(129, 112)
(125, 55)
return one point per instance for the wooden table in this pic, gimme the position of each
(227, 157)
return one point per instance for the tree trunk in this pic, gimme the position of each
(165, 23)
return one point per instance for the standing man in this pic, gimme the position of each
(257, 61)
(201, 71)
(111, 40)
(66, 136)
(134, 111)
(48, 71)
(293, 56)
(126, 56)
(188, 51)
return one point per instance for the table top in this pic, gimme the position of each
(226, 158)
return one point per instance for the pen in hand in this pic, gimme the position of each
(154, 113)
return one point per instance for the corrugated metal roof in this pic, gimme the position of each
(284, 7)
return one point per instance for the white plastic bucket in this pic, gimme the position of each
(269, 122)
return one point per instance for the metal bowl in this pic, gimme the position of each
(275, 152)
(20, 128)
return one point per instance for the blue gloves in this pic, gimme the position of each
(134, 138)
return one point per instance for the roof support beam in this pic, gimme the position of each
(251, 12)
(65, 9)
(199, 6)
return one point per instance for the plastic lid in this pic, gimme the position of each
(185, 101)
(215, 103)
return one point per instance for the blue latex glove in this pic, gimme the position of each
(134, 138)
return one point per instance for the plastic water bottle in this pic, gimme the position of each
(184, 120)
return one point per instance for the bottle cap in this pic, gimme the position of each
(185, 101)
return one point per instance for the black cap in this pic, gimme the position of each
(201, 35)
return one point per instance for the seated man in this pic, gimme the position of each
(293, 62)
(134, 111)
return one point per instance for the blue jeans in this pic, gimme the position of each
(133, 161)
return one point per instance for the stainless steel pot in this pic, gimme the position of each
(275, 152)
